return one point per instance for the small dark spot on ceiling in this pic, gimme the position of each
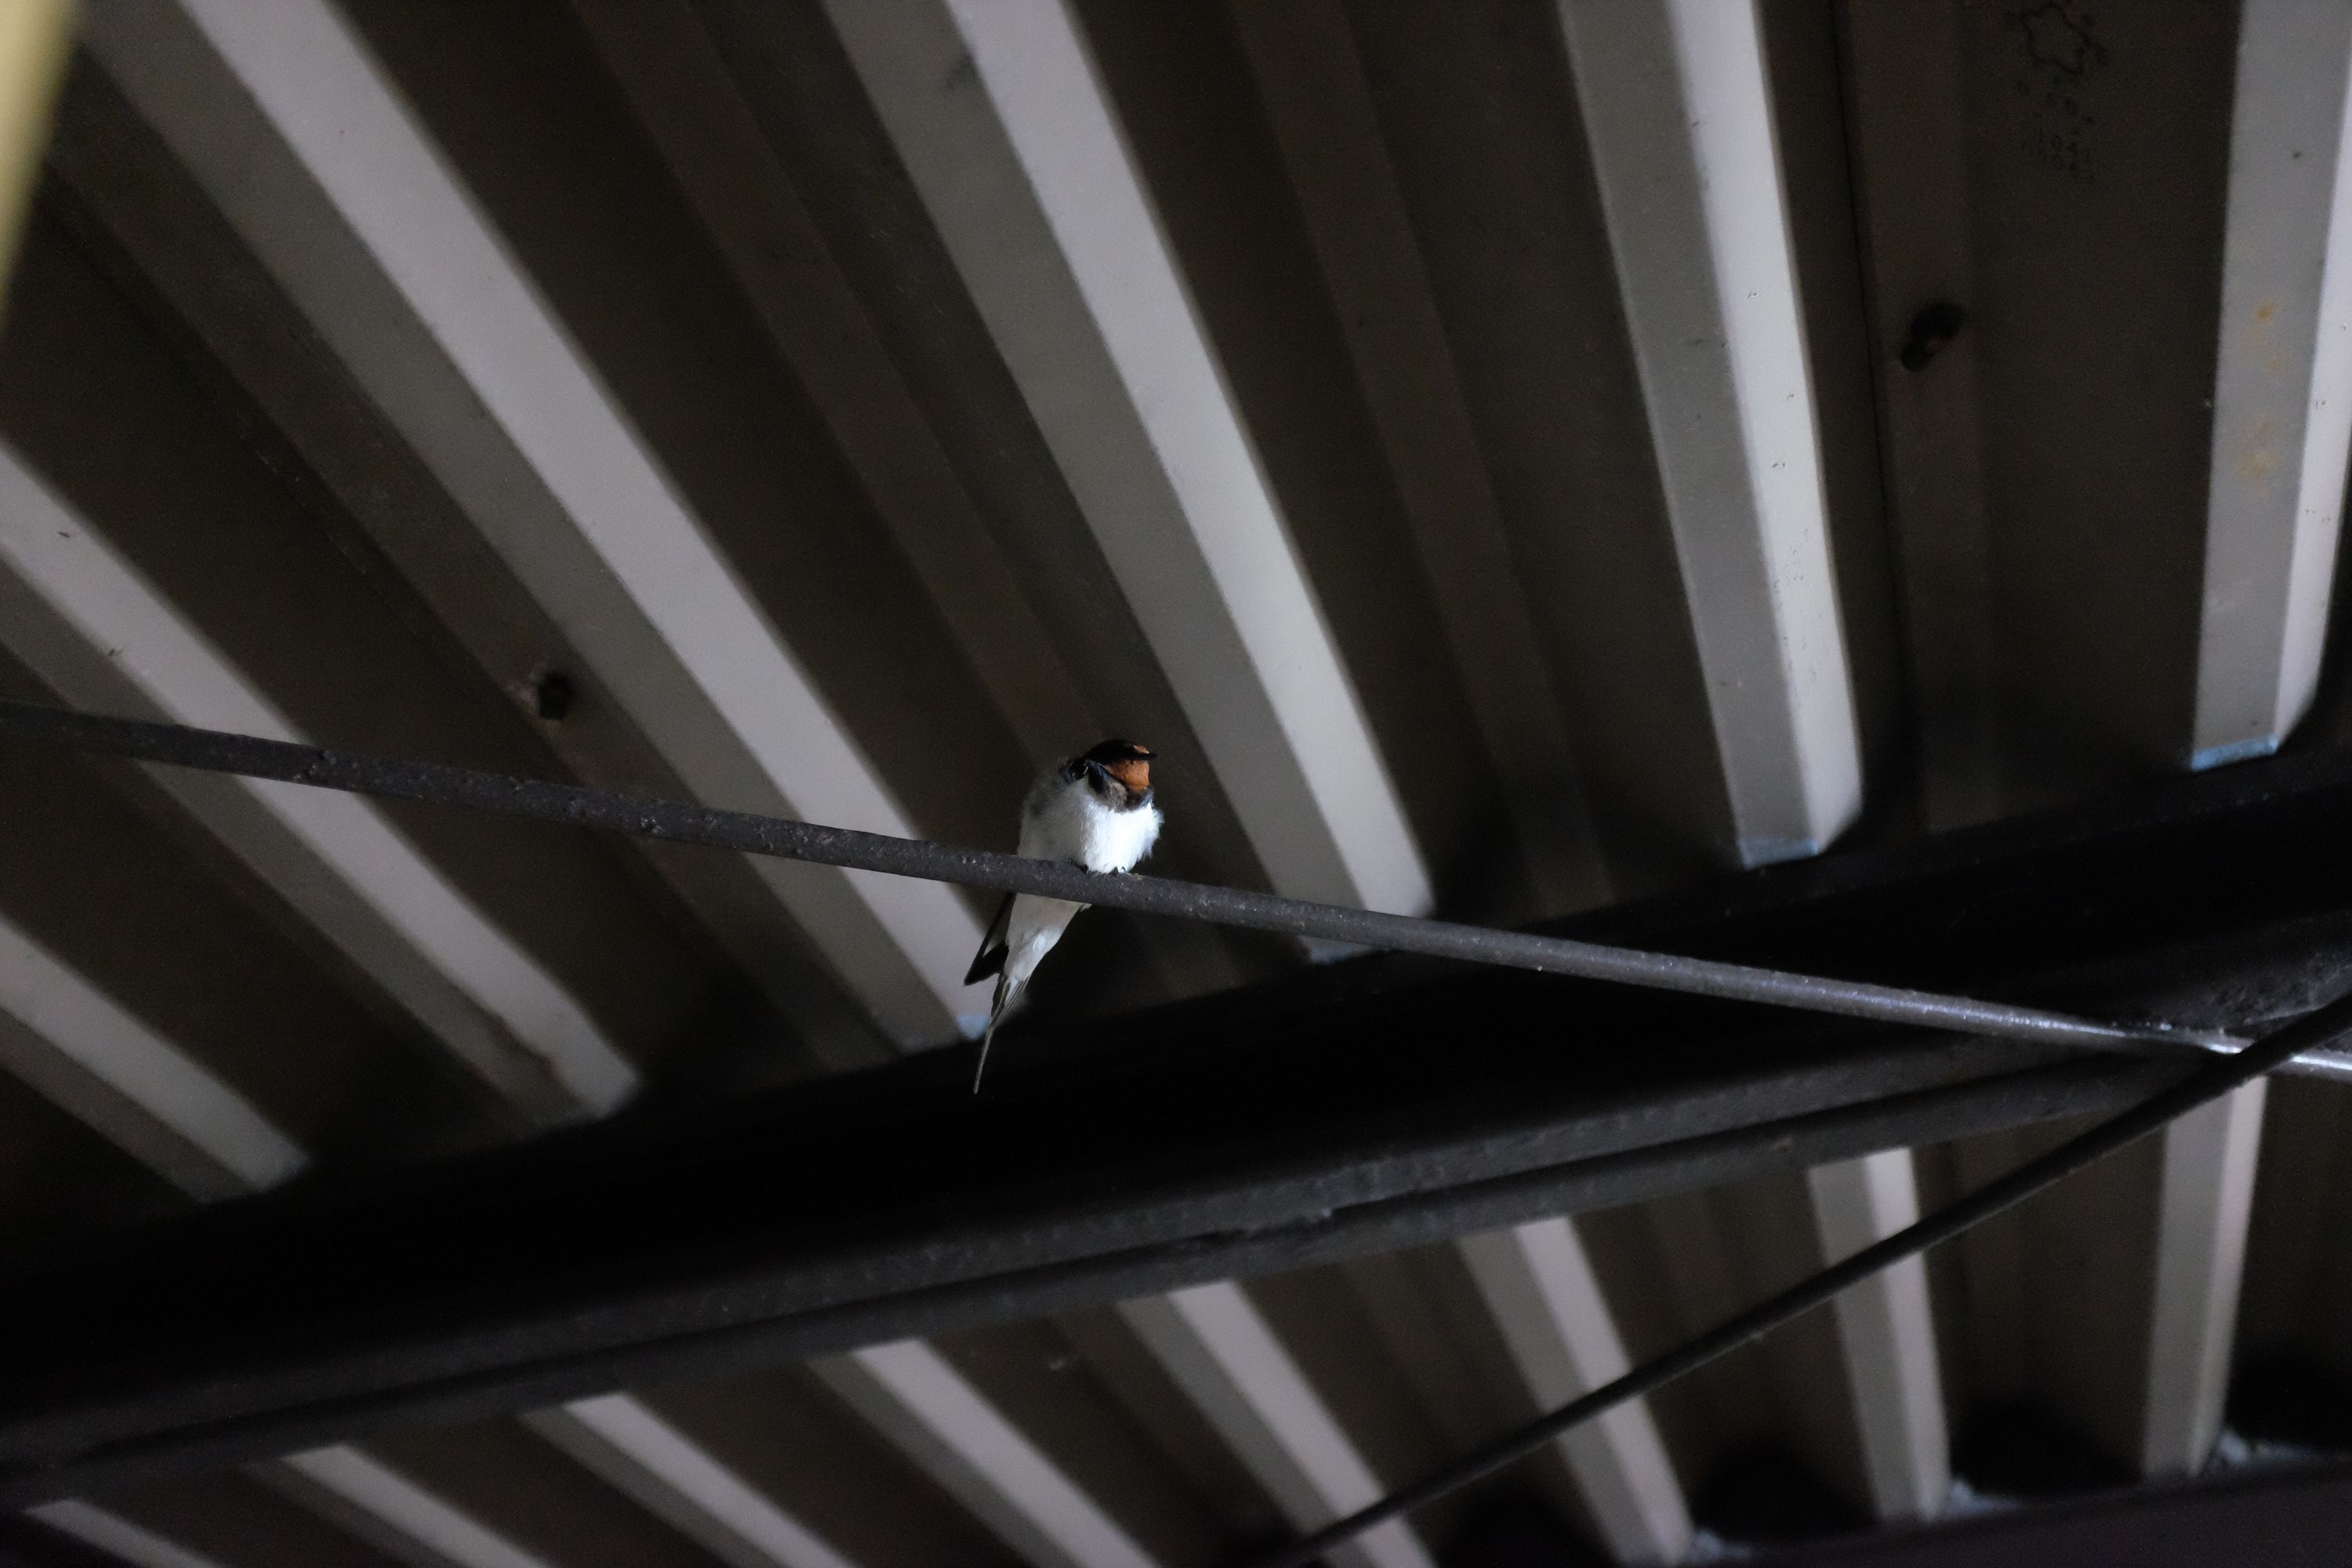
(551, 696)
(1931, 331)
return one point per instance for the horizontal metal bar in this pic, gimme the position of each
(677, 821)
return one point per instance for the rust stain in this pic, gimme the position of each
(2259, 458)
(2263, 311)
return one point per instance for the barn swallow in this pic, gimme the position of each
(1095, 811)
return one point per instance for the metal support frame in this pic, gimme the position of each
(1303, 1120)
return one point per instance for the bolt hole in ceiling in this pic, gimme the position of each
(1844, 487)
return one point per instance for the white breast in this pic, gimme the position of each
(1115, 841)
(1063, 820)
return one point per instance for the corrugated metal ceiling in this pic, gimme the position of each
(1473, 444)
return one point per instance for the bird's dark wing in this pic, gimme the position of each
(991, 957)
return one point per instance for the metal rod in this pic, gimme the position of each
(678, 822)
(2201, 1087)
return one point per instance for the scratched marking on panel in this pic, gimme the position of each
(2062, 54)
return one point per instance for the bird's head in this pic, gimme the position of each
(1125, 761)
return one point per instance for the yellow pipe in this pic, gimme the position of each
(35, 40)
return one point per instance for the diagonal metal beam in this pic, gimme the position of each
(88, 1427)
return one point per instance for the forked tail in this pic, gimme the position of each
(995, 1017)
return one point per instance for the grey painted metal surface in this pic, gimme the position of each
(2283, 390)
(2200, 1255)
(1888, 1332)
(1673, 103)
(1220, 1349)
(916, 1398)
(1540, 1286)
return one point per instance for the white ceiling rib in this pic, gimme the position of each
(621, 1440)
(916, 1398)
(2283, 382)
(1675, 107)
(1218, 1346)
(1539, 1283)
(1887, 1331)
(113, 1534)
(393, 1512)
(2204, 1205)
(148, 1097)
